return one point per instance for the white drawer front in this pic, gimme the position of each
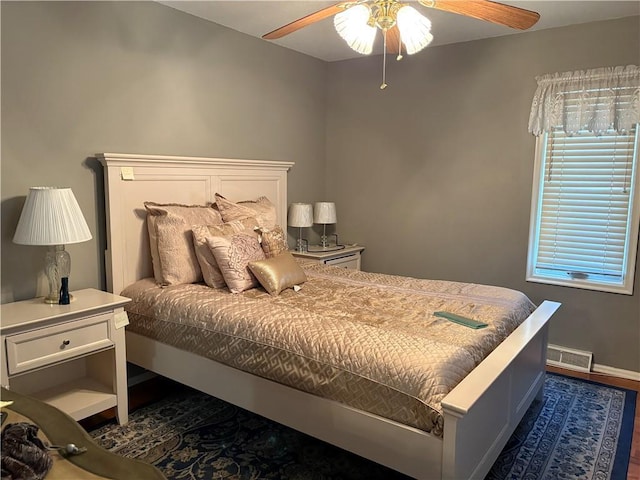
(345, 262)
(49, 345)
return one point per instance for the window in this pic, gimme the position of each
(585, 210)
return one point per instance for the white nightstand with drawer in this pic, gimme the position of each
(348, 257)
(70, 356)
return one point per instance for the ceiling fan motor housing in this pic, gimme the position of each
(385, 13)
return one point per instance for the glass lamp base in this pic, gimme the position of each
(57, 265)
(49, 299)
(301, 245)
(56, 301)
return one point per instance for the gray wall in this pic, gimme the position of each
(80, 78)
(434, 174)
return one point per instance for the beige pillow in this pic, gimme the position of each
(176, 258)
(210, 271)
(233, 253)
(278, 273)
(262, 209)
(273, 241)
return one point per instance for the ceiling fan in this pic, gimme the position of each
(358, 21)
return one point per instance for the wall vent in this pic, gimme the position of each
(569, 358)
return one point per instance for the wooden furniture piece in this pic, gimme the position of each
(480, 414)
(58, 428)
(70, 356)
(348, 257)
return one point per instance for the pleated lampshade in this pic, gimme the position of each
(51, 216)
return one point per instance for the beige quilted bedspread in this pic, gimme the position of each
(368, 340)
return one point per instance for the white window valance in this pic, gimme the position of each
(596, 100)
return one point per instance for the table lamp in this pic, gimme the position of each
(324, 213)
(300, 215)
(52, 217)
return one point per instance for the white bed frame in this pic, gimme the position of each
(480, 414)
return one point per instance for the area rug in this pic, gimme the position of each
(581, 430)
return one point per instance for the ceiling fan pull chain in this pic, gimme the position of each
(384, 60)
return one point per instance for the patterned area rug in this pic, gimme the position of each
(582, 430)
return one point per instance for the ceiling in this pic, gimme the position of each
(321, 41)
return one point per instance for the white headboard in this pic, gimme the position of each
(132, 179)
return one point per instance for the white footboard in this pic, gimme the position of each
(482, 412)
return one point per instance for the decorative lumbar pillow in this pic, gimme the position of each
(262, 209)
(210, 271)
(233, 254)
(273, 241)
(278, 273)
(176, 257)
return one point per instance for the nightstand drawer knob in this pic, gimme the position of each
(65, 343)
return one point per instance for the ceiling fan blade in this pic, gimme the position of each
(393, 40)
(304, 21)
(488, 10)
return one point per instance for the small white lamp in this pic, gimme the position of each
(51, 216)
(324, 213)
(300, 215)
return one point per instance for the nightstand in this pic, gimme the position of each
(70, 356)
(348, 257)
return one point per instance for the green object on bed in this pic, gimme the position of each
(467, 322)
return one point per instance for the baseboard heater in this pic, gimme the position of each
(569, 358)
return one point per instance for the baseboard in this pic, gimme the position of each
(616, 372)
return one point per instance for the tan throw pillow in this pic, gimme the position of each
(273, 241)
(278, 273)
(210, 271)
(177, 259)
(262, 209)
(233, 253)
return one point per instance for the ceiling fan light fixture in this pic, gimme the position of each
(357, 21)
(353, 26)
(415, 29)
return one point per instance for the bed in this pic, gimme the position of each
(478, 414)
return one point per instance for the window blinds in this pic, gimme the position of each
(585, 205)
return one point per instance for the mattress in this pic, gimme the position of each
(368, 340)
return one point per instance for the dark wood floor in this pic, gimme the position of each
(158, 388)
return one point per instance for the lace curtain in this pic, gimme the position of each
(595, 100)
